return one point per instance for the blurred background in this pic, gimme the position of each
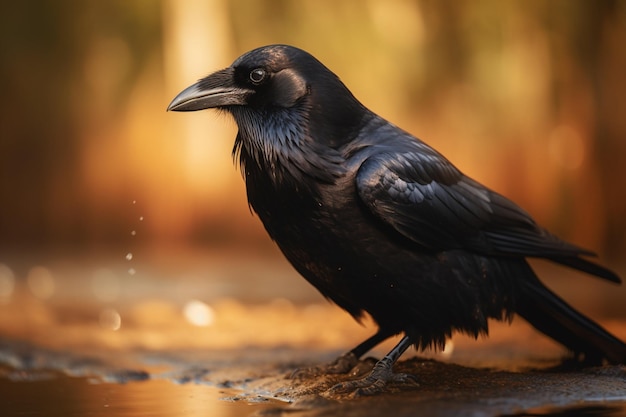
(105, 195)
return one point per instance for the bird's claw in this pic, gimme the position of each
(375, 383)
(360, 387)
(371, 385)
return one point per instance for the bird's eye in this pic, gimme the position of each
(257, 75)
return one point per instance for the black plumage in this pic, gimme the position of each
(379, 222)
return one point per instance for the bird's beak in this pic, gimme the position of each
(216, 90)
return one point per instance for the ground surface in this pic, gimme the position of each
(102, 341)
(257, 382)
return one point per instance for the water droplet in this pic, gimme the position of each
(134, 201)
(140, 218)
(133, 232)
(129, 256)
(132, 271)
(110, 319)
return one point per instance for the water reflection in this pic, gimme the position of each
(49, 394)
(67, 397)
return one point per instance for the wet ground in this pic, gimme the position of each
(223, 338)
(36, 382)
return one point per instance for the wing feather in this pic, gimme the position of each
(427, 200)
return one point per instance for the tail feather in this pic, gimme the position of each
(589, 267)
(555, 318)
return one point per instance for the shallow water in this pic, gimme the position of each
(63, 396)
(51, 394)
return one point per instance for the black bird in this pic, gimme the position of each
(380, 222)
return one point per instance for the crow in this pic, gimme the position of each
(381, 223)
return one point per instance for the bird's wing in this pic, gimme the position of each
(425, 198)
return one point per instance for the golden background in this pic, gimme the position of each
(528, 97)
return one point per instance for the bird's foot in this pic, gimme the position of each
(342, 365)
(375, 383)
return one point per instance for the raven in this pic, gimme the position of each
(381, 223)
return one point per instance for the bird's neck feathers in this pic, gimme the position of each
(278, 143)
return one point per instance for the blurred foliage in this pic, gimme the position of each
(526, 96)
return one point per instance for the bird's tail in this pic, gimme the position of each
(555, 318)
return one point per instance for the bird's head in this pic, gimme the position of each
(279, 80)
(264, 77)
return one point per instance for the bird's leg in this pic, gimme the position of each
(347, 361)
(382, 373)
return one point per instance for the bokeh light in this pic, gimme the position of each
(41, 282)
(199, 313)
